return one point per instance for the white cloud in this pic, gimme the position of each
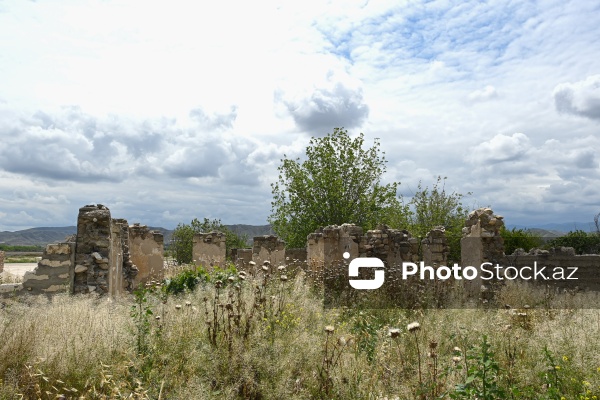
(500, 148)
(580, 98)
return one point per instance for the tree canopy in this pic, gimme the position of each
(338, 182)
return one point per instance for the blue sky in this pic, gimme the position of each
(169, 111)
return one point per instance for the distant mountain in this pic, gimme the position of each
(559, 228)
(37, 236)
(45, 235)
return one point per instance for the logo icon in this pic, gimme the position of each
(365, 262)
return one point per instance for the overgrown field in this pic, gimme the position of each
(230, 335)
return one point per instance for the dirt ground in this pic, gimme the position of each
(19, 269)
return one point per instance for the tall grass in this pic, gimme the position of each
(269, 337)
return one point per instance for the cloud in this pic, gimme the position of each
(501, 148)
(581, 98)
(485, 94)
(335, 100)
(216, 120)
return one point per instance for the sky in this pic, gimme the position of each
(167, 111)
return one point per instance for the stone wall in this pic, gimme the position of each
(588, 266)
(93, 250)
(146, 248)
(392, 246)
(327, 246)
(53, 272)
(209, 249)
(241, 258)
(268, 248)
(481, 242)
(435, 247)
(2, 254)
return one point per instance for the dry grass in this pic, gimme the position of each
(7, 277)
(84, 346)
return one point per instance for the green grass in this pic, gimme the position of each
(266, 338)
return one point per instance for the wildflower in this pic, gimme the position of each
(394, 332)
(565, 358)
(456, 359)
(557, 367)
(329, 329)
(413, 327)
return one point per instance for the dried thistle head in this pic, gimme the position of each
(433, 344)
(413, 327)
(329, 329)
(394, 332)
(178, 306)
(283, 278)
(456, 359)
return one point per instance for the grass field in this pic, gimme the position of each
(269, 337)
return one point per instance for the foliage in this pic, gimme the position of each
(182, 242)
(339, 182)
(188, 280)
(483, 375)
(429, 208)
(583, 242)
(519, 239)
(21, 248)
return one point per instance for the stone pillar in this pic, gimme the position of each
(209, 249)
(481, 242)
(92, 251)
(435, 247)
(2, 254)
(146, 248)
(268, 248)
(53, 271)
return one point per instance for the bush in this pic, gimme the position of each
(583, 242)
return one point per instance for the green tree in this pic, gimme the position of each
(519, 239)
(339, 182)
(583, 242)
(429, 208)
(182, 240)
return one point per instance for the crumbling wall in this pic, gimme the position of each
(209, 249)
(268, 248)
(92, 252)
(561, 259)
(2, 254)
(53, 272)
(435, 247)
(327, 246)
(481, 242)
(241, 258)
(392, 246)
(146, 248)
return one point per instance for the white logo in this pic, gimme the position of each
(365, 262)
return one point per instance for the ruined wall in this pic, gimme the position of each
(53, 272)
(392, 246)
(2, 254)
(588, 266)
(481, 242)
(146, 248)
(327, 246)
(209, 249)
(435, 247)
(241, 258)
(92, 252)
(268, 248)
